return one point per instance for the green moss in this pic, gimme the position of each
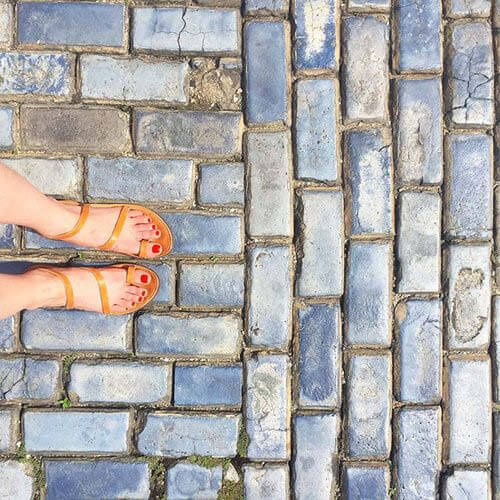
(67, 361)
(231, 491)
(21, 453)
(243, 440)
(157, 469)
(208, 462)
(65, 403)
(392, 492)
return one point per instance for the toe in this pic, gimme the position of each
(135, 291)
(141, 278)
(153, 250)
(149, 235)
(118, 309)
(123, 303)
(140, 219)
(145, 227)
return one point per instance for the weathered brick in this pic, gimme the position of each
(419, 242)
(418, 455)
(8, 239)
(419, 136)
(267, 407)
(370, 182)
(366, 83)
(185, 435)
(496, 340)
(6, 117)
(270, 297)
(470, 204)
(205, 336)
(207, 385)
(315, 34)
(368, 309)
(17, 481)
(80, 130)
(222, 184)
(7, 334)
(315, 130)
(74, 331)
(266, 6)
(268, 161)
(211, 285)
(190, 30)
(496, 451)
(469, 8)
(469, 285)
(6, 24)
(468, 484)
(470, 75)
(166, 291)
(319, 356)
(188, 132)
(315, 462)
(33, 240)
(369, 406)
(369, 5)
(419, 327)
(469, 410)
(91, 431)
(418, 35)
(261, 483)
(105, 77)
(184, 481)
(68, 23)
(366, 482)
(96, 479)
(103, 382)
(6, 430)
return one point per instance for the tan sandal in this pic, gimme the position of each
(165, 239)
(151, 287)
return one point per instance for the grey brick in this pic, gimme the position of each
(105, 77)
(419, 131)
(369, 5)
(319, 356)
(222, 184)
(419, 242)
(211, 285)
(496, 340)
(184, 435)
(470, 204)
(469, 411)
(261, 483)
(267, 407)
(33, 240)
(368, 309)
(269, 172)
(365, 79)
(186, 481)
(74, 331)
(418, 456)
(315, 462)
(207, 385)
(370, 182)
(266, 6)
(190, 30)
(166, 291)
(468, 322)
(91, 431)
(270, 297)
(96, 479)
(418, 35)
(80, 130)
(104, 382)
(6, 430)
(6, 117)
(6, 24)
(496, 452)
(8, 239)
(369, 406)
(469, 8)
(205, 336)
(188, 132)
(17, 481)
(366, 482)
(463, 484)
(470, 75)
(315, 130)
(419, 326)
(7, 334)
(266, 72)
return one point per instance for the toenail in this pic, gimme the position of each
(133, 304)
(153, 226)
(140, 299)
(149, 220)
(157, 233)
(144, 293)
(144, 278)
(156, 248)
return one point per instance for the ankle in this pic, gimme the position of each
(45, 290)
(57, 220)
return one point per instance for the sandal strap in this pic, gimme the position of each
(84, 215)
(131, 275)
(103, 289)
(70, 300)
(143, 251)
(117, 230)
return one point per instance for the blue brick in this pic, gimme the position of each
(96, 479)
(266, 6)
(211, 285)
(100, 383)
(319, 356)
(321, 271)
(190, 481)
(419, 27)
(205, 336)
(463, 484)
(469, 8)
(33, 240)
(165, 181)
(418, 454)
(369, 406)
(419, 324)
(470, 204)
(25, 379)
(368, 307)
(6, 117)
(91, 431)
(267, 407)
(316, 130)
(7, 338)
(205, 234)
(496, 450)
(6, 430)
(6, 24)
(185, 435)
(266, 69)
(315, 34)
(166, 291)
(222, 184)
(370, 182)
(262, 483)
(419, 131)
(496, 345)
(315, 462)
(36, 74)
(7, 236)
(270, 309)
(186, 30)
(369, 5)
(360, 483)
(17, 481)
(69, 23)
(74, 331)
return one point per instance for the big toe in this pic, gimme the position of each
(142, 278)
(153, 250)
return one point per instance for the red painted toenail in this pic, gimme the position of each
(140, 299)
(133, 304)
(144, 293)
(153, 226)
(157, 233)
(144, 278)
(156, 248)
(149, 220)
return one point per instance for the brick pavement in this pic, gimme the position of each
(327, 322)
